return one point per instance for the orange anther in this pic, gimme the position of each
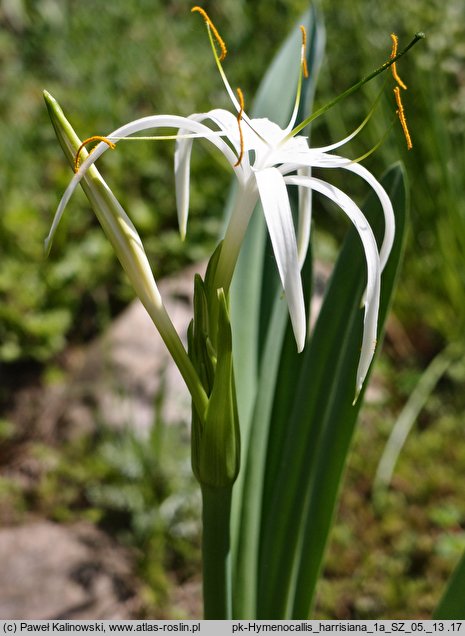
(214, 30)
(239, 119)
(304, 46)
(88, 141)
(393, 66)
(402, 119)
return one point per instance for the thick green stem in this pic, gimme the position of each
(216, 515)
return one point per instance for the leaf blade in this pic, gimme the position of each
(253, 301)
(323, 419)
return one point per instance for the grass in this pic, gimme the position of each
(391, 557)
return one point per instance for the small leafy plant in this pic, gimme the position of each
(274, 403)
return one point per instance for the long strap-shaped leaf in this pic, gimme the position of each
(252, 305)
(255, 274)
(300, 494)
(452, 603)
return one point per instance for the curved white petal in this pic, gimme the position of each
(294, 160)
(227, 124)
(228, 127)
(373, 265)
(341, 142)
(138, 125)
(182, 164)
(389, 218)
(278, 216)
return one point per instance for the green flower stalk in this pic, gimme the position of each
(215, 441)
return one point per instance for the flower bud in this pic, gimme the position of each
(216, 436)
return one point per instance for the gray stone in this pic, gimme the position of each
(50, 571)
(123, 373)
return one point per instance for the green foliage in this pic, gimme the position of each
(153, 57)
(430, 301)
(140, 490)
(392, 558)
(298, 450)
(435, 109)
(296, 411)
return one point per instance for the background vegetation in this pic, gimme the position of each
(107, 63)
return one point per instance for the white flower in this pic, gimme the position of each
(266, 159)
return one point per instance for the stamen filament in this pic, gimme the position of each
(88, 141)
(338, 144)
(355, 87)
(214, 36)
(395, 74)
(239, 118)
(303, 73)
(214, 30)
(402, 119)
(376, 146)
(174, 137)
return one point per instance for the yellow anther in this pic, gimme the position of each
(214, 30)
(239, 119)
(402, 119)
(88, 141)
(395, 74)
(304, 46)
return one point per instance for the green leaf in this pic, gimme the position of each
(301, 491)
(452, 604)
(256, 349)
(253, 275)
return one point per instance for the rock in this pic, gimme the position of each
(123, 373)
(51, 571)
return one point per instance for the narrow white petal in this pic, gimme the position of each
(373, 265)
(228, 126)
(341, 142)
(294, 160)
(182, 162)
(278, 216)
(389, 219)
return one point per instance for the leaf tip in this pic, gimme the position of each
(47, 246)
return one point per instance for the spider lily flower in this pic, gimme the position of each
(266, 159)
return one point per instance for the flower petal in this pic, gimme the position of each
(138, 125)
(278, 216)
(294, 160)
(227, 125)
(389, 218)
(373, 266)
